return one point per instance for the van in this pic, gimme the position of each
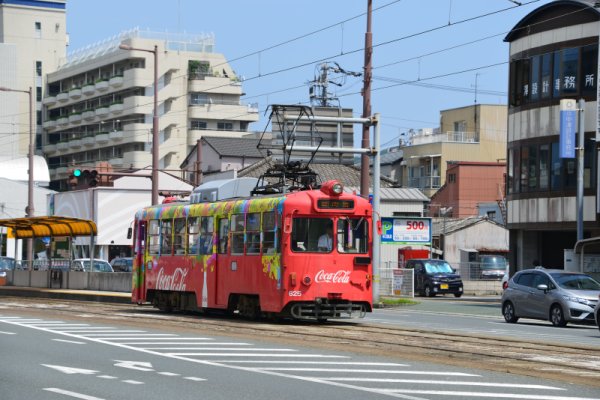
(435, 277)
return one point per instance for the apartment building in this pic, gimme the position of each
(472, 133)
(33, 39)
(99, 103)
(553, 56)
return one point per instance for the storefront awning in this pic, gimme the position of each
(24, 228)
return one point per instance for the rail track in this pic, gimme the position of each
(560, 361)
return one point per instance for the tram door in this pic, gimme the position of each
(220, 295)
(139, 277)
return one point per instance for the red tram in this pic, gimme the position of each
(269, 255)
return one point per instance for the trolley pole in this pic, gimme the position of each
(376, 216)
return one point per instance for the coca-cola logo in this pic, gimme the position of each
(175, 281)
(332, 277)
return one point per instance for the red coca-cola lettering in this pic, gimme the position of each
(332, 277)
(175, 281)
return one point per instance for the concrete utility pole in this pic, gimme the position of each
(364, 161)
(580, 154)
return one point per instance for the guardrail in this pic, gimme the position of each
(76, 280)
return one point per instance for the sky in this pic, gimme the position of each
(443, 48)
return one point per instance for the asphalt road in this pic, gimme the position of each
(45, 357)
(476, 317)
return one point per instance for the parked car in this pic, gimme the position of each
(85, 264)
(7, 263)
(550, 294)
(435, 277)
(122, 264)
(597, 314)
(493, 266)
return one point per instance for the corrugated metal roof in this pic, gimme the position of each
(49, 226)
(396, 194)
(456, 224)
(234, 147)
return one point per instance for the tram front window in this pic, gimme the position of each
(312, 235)
(352, 235)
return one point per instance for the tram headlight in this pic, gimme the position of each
(306, 280)
(337, 188)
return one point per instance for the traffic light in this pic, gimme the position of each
(90, 177)
(73, 179)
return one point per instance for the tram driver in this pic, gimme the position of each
(325, 242)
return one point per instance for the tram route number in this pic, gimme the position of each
(294, 293)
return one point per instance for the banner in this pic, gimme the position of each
(568, 124)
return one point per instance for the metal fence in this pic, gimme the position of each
(394, 281)
(475, 271)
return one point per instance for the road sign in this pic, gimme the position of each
(406, 230)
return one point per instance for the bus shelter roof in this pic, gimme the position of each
(24, 228)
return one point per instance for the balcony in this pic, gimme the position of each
(425, 182)
(75, 93)
(102, 85)
(75, 118)
(101, 111)
(447, 137)
(116, 108)
(62, 146)
(116, 162)
(102, 137)
(88, 89)
(116, 136)
(116, 81)
(49, 124)
(88, 141)
(88, 114)
(75, 144)
(61, 170)
(50, 148)
(48, 101)
(64, 120)
(62, 97)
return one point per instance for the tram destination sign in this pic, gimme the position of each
(406, 230)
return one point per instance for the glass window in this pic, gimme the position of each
(206, 235)
(569, 70)
(198, 99)
(38, 68)
(199, 125)
(253, 233)
(544, 166)
(269, 229)
(524, 168)
(223, 235)
(535, 78)
(569, 173)
(532, 168)
(555, 180)
(193, 228)
(557, 80)
(352, 235)
(589, 171)
(166, 237)
(589, 69)
(179, 236)
(517, 173)
(224, 126)
(509, 181)
(154, 236)
(237, 234)
(525, 83)
(525, 279)
(313, 235)
(38, 94)
(546, 75)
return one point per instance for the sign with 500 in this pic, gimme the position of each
(406, 230)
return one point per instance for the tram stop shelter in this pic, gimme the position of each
(59, 231)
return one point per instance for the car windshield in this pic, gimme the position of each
(99, 266)
(7, 264)
(438, 267)
(493, 262)
(575, 281)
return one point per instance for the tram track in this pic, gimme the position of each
(561, 361)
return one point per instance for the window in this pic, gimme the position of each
(199, 125)
(166, 237)
(451, 178)
(312, 235)
(224, 126)
(38, 29)
(555, 181)
(154, 236)
(524, 168)
(569, 72)
(179, 236)
(38, 94)
(38, 68)
(509, 181)
(253, 233)
(532, 168)
(546, 75)
(525, 279)
(269, 229)
(544, 166)
(198, 99)
(223, 235)
(535, 78)
(193, 228)
(206, 235)
(491, 214)
(352, 235)
(589, 69)
(237, 234)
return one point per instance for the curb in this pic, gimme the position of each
(81, 295)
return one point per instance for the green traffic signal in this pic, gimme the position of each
(77, 173)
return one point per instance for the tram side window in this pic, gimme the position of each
(179, 236)
(206, 235)
(193, 228)
(237, 234)
(268, 232)
(308, 232)
(166, 236)
(352, 235)
(223, 235)
(154, 236)
(253, 233)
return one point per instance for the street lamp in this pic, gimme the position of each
(29, 210)
(154, 120)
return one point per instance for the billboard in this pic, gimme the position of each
(406, 230)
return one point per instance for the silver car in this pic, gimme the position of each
(550, 294)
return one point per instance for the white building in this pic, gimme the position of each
(33, 39)
(100, 102)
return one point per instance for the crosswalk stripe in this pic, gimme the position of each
(256, 355)
(485, 394)
(370, 371)
(218, 348)
(445, 383)
(296, 362)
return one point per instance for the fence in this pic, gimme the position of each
(394, 281)
(475, 271)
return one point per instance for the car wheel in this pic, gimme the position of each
(508, 310)
(457, 294)
(556, 316)
(429, 292)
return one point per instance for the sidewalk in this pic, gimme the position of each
(66, 294)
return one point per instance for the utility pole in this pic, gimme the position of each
(364, 163)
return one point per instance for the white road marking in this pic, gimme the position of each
(106, 332)
(132, 382)
(71, 370)
(68, 341)
(485, 394)
(137, 365)
(106, 377)
(372, 364)
(7, 333)
(255, 355)
(368, 371)
(193, 378)
(168, 374)
(120, 335)
(221, 349)
(72, 394)
(158, 339)
(445, 383)
(188, 344)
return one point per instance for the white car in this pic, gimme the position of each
(85, 264)
(505, 281)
